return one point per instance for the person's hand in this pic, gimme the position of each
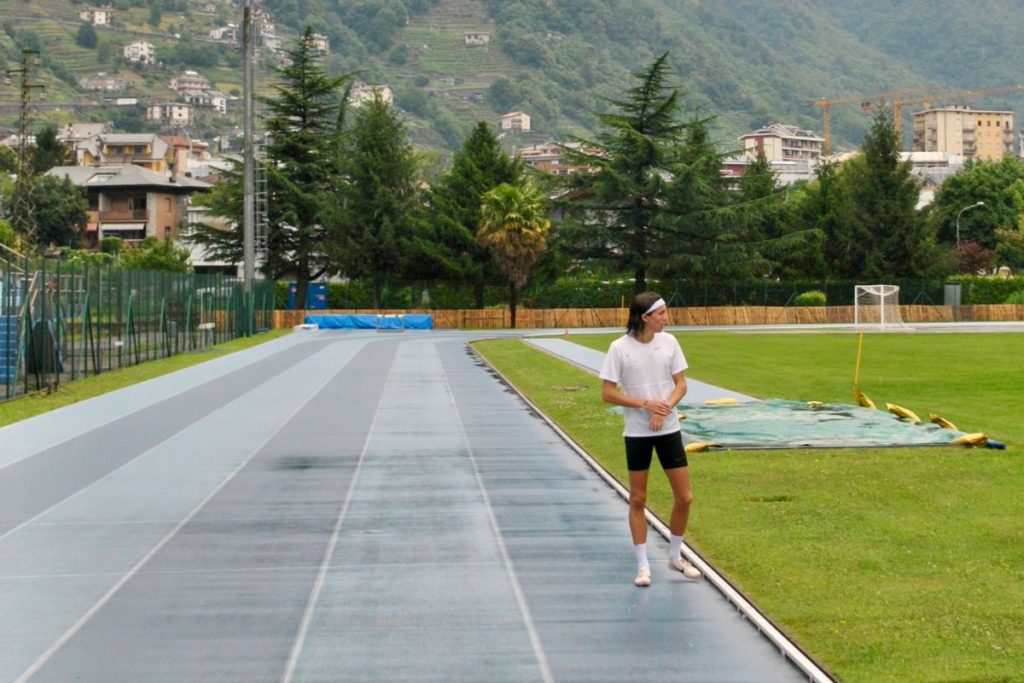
(656, 422)
(658, 406)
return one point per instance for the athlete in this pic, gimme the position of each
(644, 373)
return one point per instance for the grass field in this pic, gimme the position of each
(885, 564)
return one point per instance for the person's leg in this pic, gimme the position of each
(638, 461)
(638, 506)
(679, 480)
(673, 459)
(638, 525)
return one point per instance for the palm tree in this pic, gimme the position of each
(514, 229)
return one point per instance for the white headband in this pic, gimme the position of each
(655, 306)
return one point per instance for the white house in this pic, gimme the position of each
(97, 16)
(516, 121)
(140, 51)
(172, 113)
(189, 80)
(362, 94)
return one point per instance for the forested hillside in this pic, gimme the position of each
(747, 62)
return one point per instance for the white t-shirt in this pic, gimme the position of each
(644, 371)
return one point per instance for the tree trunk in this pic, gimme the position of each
(639, 280)
(377, 288)
(513, 295)
(301, 288)
(478, 293)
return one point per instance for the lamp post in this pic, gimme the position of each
(969, 206)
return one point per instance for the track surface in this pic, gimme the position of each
(335, 506)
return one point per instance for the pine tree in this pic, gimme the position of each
(612, 212)
(882, 235)
(375, 220)
(305, 130)
(477, 168)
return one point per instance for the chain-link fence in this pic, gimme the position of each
(60, 321)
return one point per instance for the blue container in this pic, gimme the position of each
(316, 296)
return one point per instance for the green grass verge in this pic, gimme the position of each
(885, 564)
(95, 385)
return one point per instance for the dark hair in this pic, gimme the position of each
(641, 302)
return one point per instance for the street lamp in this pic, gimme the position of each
(969, 206)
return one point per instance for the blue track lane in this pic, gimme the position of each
(335, 506)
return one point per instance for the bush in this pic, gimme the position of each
(987, 289)
(1015, 298)
(814, 297)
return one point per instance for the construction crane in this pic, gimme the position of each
(863, 100)
(897, 99)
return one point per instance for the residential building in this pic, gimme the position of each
(516, 122)
(321, 43)
(787, 172)
(225, 34)
(362, 94)
(131, 202)
(477, 38)
(171, 113)
(104, 82)
(140, 52)
(139, 149)
(933, 168)
(206, 99)
(551, 157)
(960, 130)
(189, 80)
(97, 16)
(75, 134)
(782, 142)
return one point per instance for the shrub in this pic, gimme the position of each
(1015, 298)
(814, 297)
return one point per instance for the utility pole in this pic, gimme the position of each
(23, 210)
(248, 157)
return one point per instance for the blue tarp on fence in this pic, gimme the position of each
(371, 321)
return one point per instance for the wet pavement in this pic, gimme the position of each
(336, 506)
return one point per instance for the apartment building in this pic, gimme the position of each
(782, 142)
(971, 133)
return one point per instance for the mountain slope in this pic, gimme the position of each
(747, 62)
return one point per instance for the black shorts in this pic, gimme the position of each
(670, 450)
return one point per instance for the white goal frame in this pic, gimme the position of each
(877, 305)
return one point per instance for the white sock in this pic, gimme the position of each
(641, 555)
(675, 544)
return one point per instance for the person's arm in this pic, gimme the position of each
(661, 409)
(610, 393)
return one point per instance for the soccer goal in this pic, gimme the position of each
(877, 306)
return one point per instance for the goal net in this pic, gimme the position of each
(877, 306)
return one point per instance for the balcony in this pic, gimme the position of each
(123, 215)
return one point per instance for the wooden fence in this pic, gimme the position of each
(566, 318)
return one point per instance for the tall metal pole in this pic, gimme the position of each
(23, 211)
(248, 160)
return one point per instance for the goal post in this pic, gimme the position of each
(877, 306)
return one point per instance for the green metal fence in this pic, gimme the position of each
(60, 321)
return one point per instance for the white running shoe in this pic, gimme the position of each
(681, 565)
(643, 577)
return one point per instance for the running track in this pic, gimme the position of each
(335, 506)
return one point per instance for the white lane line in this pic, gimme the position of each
(764, 626)
(77, 626)
(318, 585)
(531, 629)
(134, 398)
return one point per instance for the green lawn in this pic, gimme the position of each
(885, 564)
